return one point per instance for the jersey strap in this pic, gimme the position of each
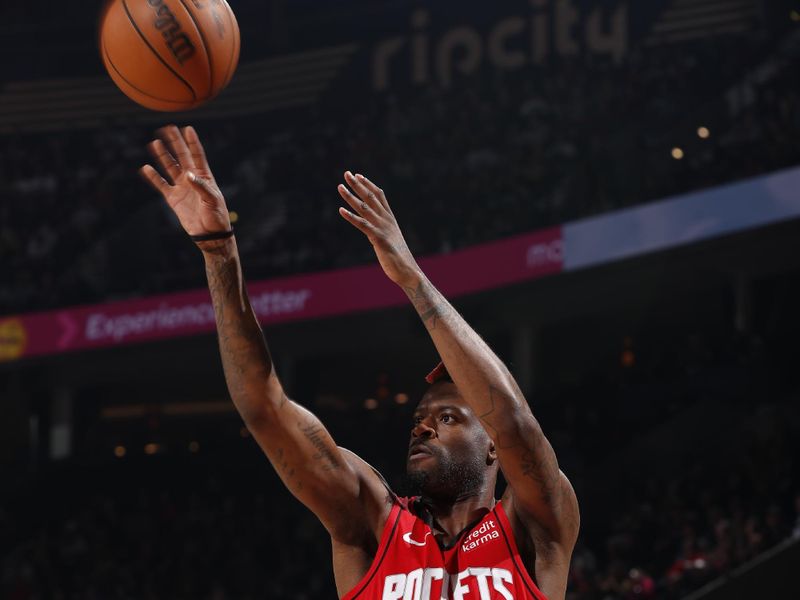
(388, 533)
(511, 544)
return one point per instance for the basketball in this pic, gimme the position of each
(169, 55)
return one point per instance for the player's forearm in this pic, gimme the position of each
(527, 458)
(482, 378)
(297, 444)
(249, 373)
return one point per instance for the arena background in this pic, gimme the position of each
(607, 190)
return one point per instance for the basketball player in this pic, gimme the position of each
(454, 541)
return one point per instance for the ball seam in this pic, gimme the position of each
(206, 48)
(153, 50)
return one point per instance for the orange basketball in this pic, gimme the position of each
(169, 54)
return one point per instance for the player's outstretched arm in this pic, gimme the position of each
(346, 495)
(540, 494)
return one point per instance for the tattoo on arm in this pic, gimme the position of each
(314, 432)
(429, 307)
(288, 472)
(488, 417)
(537, 462)
(534, 467)
(245, 356)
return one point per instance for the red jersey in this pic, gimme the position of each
(483, 563)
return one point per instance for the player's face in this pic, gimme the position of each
(449, 449)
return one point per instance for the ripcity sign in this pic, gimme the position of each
(552, 29)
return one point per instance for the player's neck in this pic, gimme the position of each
(454, 515)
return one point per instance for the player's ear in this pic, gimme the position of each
(491, 457)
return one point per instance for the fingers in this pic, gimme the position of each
(164, 159)
(375, 190)
(177, 146)
(176, 151)
(366, 194)
(360, 206)
(210, 189)
(359, 223)
(196, 148)
(151, 176)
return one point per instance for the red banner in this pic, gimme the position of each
(299, 297)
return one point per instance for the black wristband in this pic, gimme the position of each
(217, 235)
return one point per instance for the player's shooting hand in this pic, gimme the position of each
(190, 190)
(375, 219)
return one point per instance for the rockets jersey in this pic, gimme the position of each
(483, 563)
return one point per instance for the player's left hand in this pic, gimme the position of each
(375, 219)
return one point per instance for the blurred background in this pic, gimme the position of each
(607, 190)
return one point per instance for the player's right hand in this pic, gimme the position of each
(190, 189)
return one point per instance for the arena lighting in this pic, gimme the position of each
(703, 133)
(194, 447)
(370, 404)
(151, 448)
(677, 153)
(120, 451)
(401, 398)
(177, 409)
(234, 216)
(794, 16)
(627, 358)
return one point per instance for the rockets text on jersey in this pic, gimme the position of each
(460, 586)
(482, 564)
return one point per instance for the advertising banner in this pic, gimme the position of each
(327, 294)
(682, 220)
(606, 238)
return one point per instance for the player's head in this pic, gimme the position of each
(450, 453)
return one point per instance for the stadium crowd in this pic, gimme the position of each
(190, 526)
(216, 542)
(674, 535)
(492, 156)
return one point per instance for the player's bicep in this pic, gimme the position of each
(542, 494)
(312, 467)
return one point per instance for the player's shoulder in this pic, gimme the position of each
(369, 474)
(372, 476)
(375, 496)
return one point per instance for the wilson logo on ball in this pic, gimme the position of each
(169, 54)
(178, 42)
